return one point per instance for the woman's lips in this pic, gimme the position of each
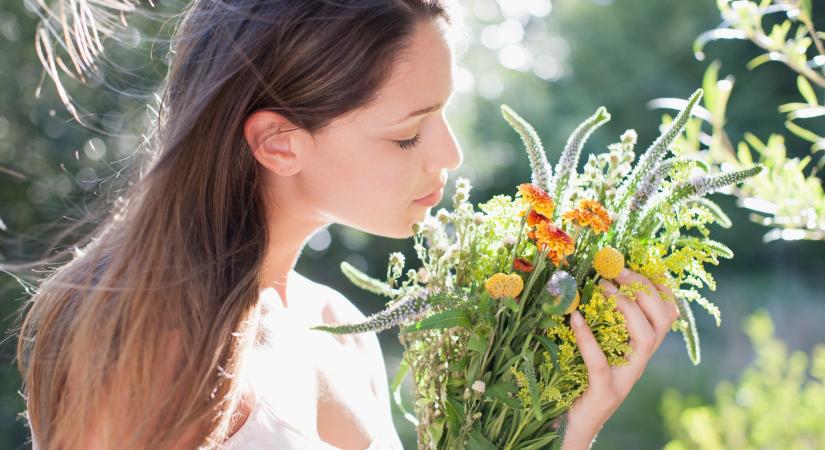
(432, 199)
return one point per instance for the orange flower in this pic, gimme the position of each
(590, 213)
(522, 265)
(539, 200)
(556, 240)
(533, 218)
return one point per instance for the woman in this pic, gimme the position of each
(181, 323)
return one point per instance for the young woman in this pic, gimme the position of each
(182, 324)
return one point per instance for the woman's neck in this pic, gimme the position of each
(288, 235)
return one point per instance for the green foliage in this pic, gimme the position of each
(777, 402)
(788, 196)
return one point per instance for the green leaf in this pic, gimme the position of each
(460, 365)
(758, 61)
(803, 133)
(550, 346)
(714, 35)
(755, 142)
(506, 352)
(709, 81)
(689, 331)
(397, 382)
(477, 441)
(455, 413)
(445, 319)
(538, 443)
(546, 322)
(743, 154)
(511, 303)
(806, 90)
(367, 282)
(792, 106)
(499, 393)
(477, 343)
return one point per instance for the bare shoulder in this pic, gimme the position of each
(337, 308)
(334, 306)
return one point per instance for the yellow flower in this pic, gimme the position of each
(503, 285)
(556, 240)
(590, 213)
(539, 200)
(608, 262)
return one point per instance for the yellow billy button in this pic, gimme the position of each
(608, 262)
(503, 285)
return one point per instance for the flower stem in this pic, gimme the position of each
(518, 239)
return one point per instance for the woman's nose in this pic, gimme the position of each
(446, 153)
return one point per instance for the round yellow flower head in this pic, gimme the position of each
(608, 262)
(503, 285)
(575, 303)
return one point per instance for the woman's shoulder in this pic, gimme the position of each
(334, 306)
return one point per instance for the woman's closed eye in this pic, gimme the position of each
(409, 143)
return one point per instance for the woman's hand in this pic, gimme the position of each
(648, 320)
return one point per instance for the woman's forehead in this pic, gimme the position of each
(421, 78)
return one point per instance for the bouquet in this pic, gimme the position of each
(484, 320)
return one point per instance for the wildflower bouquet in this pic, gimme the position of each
(484, 319)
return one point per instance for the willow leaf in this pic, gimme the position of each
(689, 330)
(367, 282)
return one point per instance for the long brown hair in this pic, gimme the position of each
(149, 320)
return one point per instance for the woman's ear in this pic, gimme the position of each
(273, 142)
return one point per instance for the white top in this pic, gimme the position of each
(282, 417)
(288, 380)
(263, 430)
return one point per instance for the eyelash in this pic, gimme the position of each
(409, 143)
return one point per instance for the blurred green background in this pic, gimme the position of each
(554, 63)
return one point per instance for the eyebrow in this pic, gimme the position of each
(419, 113)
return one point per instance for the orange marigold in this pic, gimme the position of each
(539, 200)
(590, 213)
(533, 218)
(559, 243)
(522, 265)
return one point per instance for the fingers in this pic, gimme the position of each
(670, 301)
(598, 369)
(642, 335)
(658, 312)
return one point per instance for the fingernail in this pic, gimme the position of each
(577, 319)
(624, 272)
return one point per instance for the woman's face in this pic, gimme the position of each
(366, 169)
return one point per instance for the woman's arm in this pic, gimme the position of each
(370, 346)
(342, 311)
(648, 320)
